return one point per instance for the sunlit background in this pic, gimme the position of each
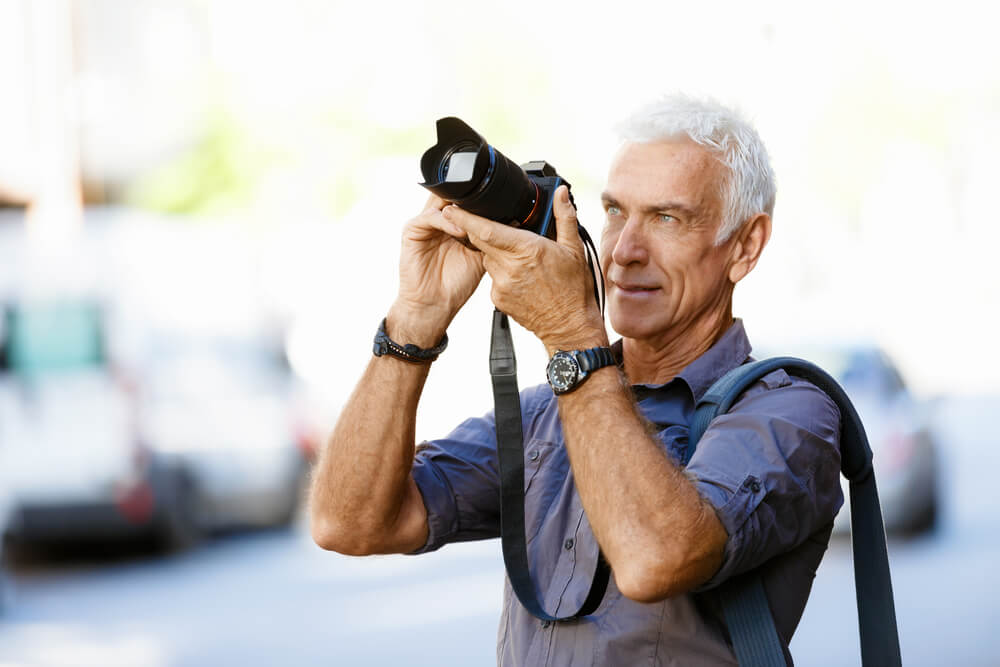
(200, 205)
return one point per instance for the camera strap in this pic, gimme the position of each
(510, 454)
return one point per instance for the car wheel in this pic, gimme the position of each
(177, 527)
(926, 519)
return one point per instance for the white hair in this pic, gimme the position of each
(750, 187)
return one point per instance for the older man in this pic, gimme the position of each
(688, 209)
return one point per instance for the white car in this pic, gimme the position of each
(66, 424)
(217, 411)
(206, 443)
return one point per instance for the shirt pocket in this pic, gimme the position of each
(540, 483)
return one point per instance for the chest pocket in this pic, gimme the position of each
(540, 487)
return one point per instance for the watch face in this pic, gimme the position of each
(563, 371)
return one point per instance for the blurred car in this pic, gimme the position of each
(903, 445)
(204, 443)
(218, 410)
(72, 458)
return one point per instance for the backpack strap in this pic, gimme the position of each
(744, 601)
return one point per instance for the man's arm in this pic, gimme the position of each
(659, 536)
(363, 498)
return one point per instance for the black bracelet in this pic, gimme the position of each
(418, 355)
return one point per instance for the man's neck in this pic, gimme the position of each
(660, 360)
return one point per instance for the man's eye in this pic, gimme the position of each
(614, 211)
(666, 217)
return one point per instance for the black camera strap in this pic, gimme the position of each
(510, 454)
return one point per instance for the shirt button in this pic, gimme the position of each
(533, 455)
(546, 624)
(568, 544)
(755, 486)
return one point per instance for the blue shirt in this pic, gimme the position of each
(770, 468)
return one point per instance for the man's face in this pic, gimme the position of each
(663, 207)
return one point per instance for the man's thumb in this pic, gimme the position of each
(566, 221)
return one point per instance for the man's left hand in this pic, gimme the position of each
(546, 287)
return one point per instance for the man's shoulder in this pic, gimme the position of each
(781, 396)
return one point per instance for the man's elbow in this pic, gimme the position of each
(648, 582)
(666, 574)
(332, 535)
(328, 535)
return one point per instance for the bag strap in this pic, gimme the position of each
(745, 606)
(510, 454)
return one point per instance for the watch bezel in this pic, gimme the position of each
(577, 376)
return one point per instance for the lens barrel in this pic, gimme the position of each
(496, 188)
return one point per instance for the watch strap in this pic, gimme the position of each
(594, 358)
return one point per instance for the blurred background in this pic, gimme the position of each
(200, 204)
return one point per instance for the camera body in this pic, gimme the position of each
(464, 169)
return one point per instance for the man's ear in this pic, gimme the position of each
(749, 243)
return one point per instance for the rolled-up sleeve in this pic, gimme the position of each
(459, 479)
(771, 469)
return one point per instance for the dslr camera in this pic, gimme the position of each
(464, 169)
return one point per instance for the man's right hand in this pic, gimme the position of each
(437, 275)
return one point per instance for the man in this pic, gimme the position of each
(688, 209)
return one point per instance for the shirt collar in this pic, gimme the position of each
(731, 350)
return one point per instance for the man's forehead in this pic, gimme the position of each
(672, 168)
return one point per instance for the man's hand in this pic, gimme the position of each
(437, 275)
(544, 286)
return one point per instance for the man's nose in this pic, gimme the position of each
(630, 247)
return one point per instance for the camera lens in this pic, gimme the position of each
(464, 169)
(458, 167)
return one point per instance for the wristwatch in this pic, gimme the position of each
(567, 370)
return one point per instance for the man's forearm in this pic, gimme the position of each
(363, 499)
(660, 537)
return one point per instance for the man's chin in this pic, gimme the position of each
(637, 327)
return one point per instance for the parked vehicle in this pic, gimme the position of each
(201, 440)
(66, 424)
(216, 411)
(899, 432)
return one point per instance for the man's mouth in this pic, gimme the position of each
(636, 288)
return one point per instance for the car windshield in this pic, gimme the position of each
(53, 337)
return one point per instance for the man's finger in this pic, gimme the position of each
(486, 234)
(566, 220)
(434, 203)
(436, 220)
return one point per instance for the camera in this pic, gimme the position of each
(464, 169)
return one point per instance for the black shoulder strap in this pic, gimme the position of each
(510, 453)
(755, 638)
